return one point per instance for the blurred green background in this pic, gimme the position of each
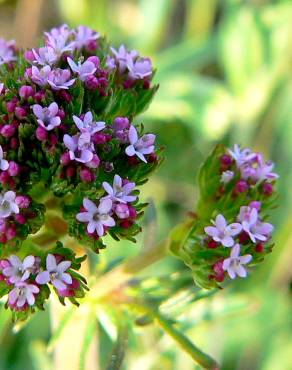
(225, 74)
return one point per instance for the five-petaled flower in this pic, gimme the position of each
(140, 68)
(222, 232)
(55, 273)
(140, 147)
(17, 270)
(119, 192)
(83, 70)
(59, 79)
(97, 217)
(22, 294)
(87, 124)
(83, 36)
(47, 117)
(234, 264)
(8, 205)
(77, 152)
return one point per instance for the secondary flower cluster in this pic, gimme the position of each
(26, 281)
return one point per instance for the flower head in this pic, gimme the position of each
(234, 264)
(8, 205)
(55, 273)
(22, 294)
(140, 147)
(119, 192)
(77, 150)
(17, 270)
(222, 232)
(140, 68)
(83, 70)
(123, 56)
(40, 76)
(83, 36)
(60, 79)
(7, 51)
(97, 217)
(45, 56)
(87, 124)
(47, 117)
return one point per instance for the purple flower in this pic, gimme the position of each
(40, 76)
(263, 170)
(119, 192)
(45, 56)
(3, 163)
(251, 224)
(1, 88)
(139, 147)
(17, 270)
(60, 79)
(110, 62)
(241, 156)
(23, 293)
(7, 51)
(8, 205)
(87, 124)
(48, 116)
(140, 68)
(55, 273)
(83, 70)
(58, 40)
(83, 36)
(75, 153)
(227, 176)
(223, 233)
(234, 264)
(123, 56)
(121, 127)
(97, 217)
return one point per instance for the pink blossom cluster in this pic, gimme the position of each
(25, 278)
(249, 233)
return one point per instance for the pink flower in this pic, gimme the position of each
(140, 68)
(58, 40)
(19, 271)
(22, 294)
(252, 225)
(7, 49)
(223, 233)
(139, 147)
(82, 155)
(119, 192)
(83, 70)
(47, 116)
(122, 57)
(40, 76)
(241, 156)
(83, 36)
(55, 273)
(97, 217)
(234, 264)
(60, 79)
(45, 56)
(87, 124)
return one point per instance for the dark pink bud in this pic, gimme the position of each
(128, 84)
(26, 91)
(268, 188)
(14, 143)
(103, 82)
(91, 46)
(66, 293)
(243, 237)
(255, 204)
(75, 284)
(13, 169)
(41, 134)
(133, 212)
(241, 186)
(20, 219)
(53, 139)
(146, 84)
(20, 112)
(65, 96)
(65, 159)
(3, 238)
(95, 60)
(219, 272)
(126, 224)
(99, 138)
(22, 201)
(8, 131)
(29, 56)
(121, 123)
(39, 96)
(10, 106)
(92, 83)
(94, 163)
(226, 161)
(259, 248)
(152, 158)
(133, 161)
(122, 211)
(11, 232)
(85, 175)
(211, 244)
(4, 178)
(70, 171)
(61, 114)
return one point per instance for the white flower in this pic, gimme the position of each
(227, 176)
(3, 163)
(8, 204)
(119, 192)
(233, 264)
(97, 217)
(19, 271)
(241, 156)
(23, 293)
(55, 273)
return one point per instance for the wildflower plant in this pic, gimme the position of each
(72, 160)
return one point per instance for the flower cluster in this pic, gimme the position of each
(230, 232)
(27, 281)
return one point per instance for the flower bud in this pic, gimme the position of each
(241, 186)
(21, 219)
(13, 169)
(11, 232)
(41, 134)
(22, 201)
(8, 131)
(20, 112)
(91, 46)
(122, 211)
(95, 60)
(268, 188)
(65, 159)
(92, 83)
(29, 56)
(85, 175)
(26, 91)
